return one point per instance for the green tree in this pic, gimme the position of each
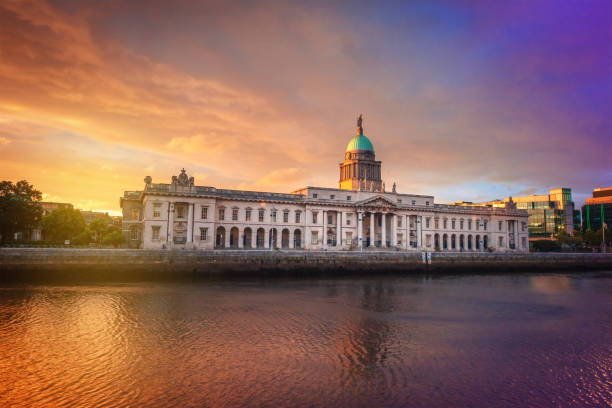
(83, 238)
(19, 208)
(63, 224)
(593, 238)
(564, 238)
(114, 238)
(99, 227)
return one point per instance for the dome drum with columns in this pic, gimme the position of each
(357, 215)
(360, 170)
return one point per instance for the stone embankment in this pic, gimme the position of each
(30, 264)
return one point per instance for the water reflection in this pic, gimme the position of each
(460, 341)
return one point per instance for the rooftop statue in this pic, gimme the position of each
(183, 180)
(359, 124)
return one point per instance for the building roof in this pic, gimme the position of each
(359, 142)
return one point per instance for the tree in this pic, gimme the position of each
(99, 227)
(19, 208)
(565, 239)
(83, 238)
(114, 238)
(63, 224)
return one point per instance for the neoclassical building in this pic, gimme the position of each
(359, 215)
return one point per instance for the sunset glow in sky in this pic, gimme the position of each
(461, 100)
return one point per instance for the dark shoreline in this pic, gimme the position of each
(30, 265)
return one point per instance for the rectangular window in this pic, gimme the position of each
(247, 215)
(134, 232)
(156, 210)
(524, 242)
(436, 223)
(461, 224)
(298, 215)
(315, 216)
(329, 219)
(413, 202)
(477, 225)
(399, 221)
(315, 195)
(348, 218)
(349, 238)
(499, 225)
(485, 225)
(203, 234)
(221, 214)
(204, 213)
(155, 233)
(273, 216)
(453, 224)
(444, 225)
(426, 202)
(332, 196)
(315, 237)
(180, 212)
(427, 222)
(470, 225)
(523, 225)
(261, 215)
(348, 198)
(234, 214)
(134, 213)
(501, 242)
(399, 201)
(285, 216)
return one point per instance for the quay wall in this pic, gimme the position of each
(32, 264)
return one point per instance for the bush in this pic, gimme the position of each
(114, 238)
(546, 246)
(83, 238)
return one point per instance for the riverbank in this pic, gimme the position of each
(35, 264)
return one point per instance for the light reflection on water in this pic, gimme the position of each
(509, 340)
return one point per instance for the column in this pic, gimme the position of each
(419, 231)
(291, 236)
(240, 238)
(339, 229)
(266, 238)
(383, 242)
(228, 234)
(324, 236)
(394, 230)
(371, 229)
(190, 223)
(360, 229)
(170, 224)
(406, 227)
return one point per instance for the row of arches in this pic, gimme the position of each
(461, 242)
(259, 238)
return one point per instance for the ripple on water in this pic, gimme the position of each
(482, 341)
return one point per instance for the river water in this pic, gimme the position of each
(392, 341)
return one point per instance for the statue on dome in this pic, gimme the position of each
(394, 188)
(359, 124)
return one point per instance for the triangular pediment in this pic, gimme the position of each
(377, 201)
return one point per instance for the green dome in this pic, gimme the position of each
(359, 142)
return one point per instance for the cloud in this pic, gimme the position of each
(458, 99)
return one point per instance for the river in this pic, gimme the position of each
(510, 340)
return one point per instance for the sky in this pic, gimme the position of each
(463, 100)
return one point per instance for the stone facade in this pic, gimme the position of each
(185, 216)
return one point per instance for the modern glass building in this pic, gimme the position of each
(549, 213)
(597, 210)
